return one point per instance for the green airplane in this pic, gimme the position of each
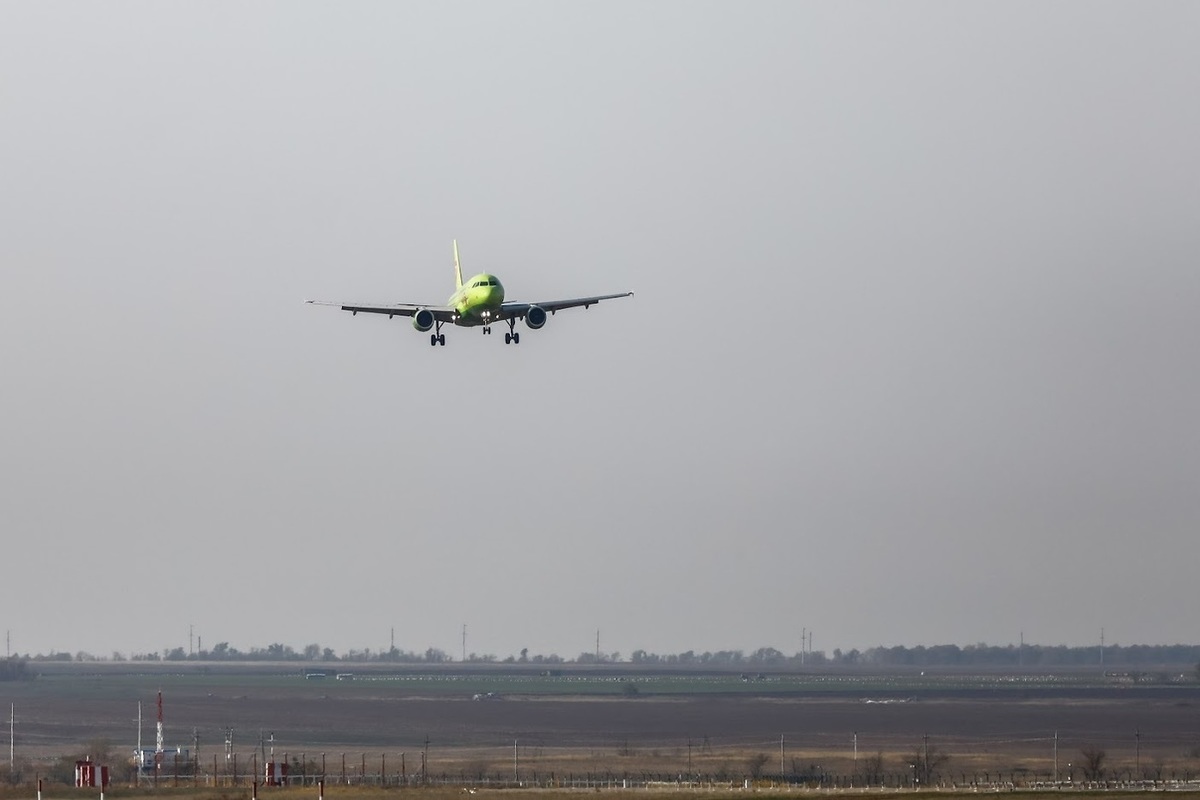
(477, 303)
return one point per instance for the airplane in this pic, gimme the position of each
(477, 303)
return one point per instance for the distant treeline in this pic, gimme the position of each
(14, 669)
(949, 655)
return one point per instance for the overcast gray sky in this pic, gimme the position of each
(912, 357)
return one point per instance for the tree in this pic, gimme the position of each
(872, 768)
(755, 764)
(926, 762)
(1093, 763)
(15, 669)
(767, 655)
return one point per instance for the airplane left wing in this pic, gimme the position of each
(440, 313)
(518, 310)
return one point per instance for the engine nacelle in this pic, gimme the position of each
(535, 317)
(423, 320)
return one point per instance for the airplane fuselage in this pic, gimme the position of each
(477, 301)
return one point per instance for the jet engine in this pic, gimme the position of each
(423, 320)
(535, 317)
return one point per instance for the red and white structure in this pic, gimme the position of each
(88, 773)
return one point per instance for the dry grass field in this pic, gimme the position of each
(392, 728)
(355, 793)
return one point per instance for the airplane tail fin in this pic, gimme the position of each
(457, 268)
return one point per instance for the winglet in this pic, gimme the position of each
(457, 268)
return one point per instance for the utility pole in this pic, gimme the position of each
(1056, 757)
(925, 767)
(1102, 651)
(464, 643)
(855, 753)
(12, 739)
(803, 638)
(781, 769)
(1137, 758)
(597, 645)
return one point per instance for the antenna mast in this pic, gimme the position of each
(158, 738)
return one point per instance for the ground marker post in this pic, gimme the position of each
(321, 789)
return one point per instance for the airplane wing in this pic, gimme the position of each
(518, 310)
(440, 313)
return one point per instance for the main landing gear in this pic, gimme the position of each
(512, 337)
(437, 337)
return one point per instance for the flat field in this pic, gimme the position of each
(388, 724)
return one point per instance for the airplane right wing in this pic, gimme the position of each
(521, 309)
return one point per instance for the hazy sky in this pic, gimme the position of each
(912, 358)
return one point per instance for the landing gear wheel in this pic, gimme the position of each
(441, 339)
(433, 339)
(512, 337)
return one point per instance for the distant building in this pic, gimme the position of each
(170, 756)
